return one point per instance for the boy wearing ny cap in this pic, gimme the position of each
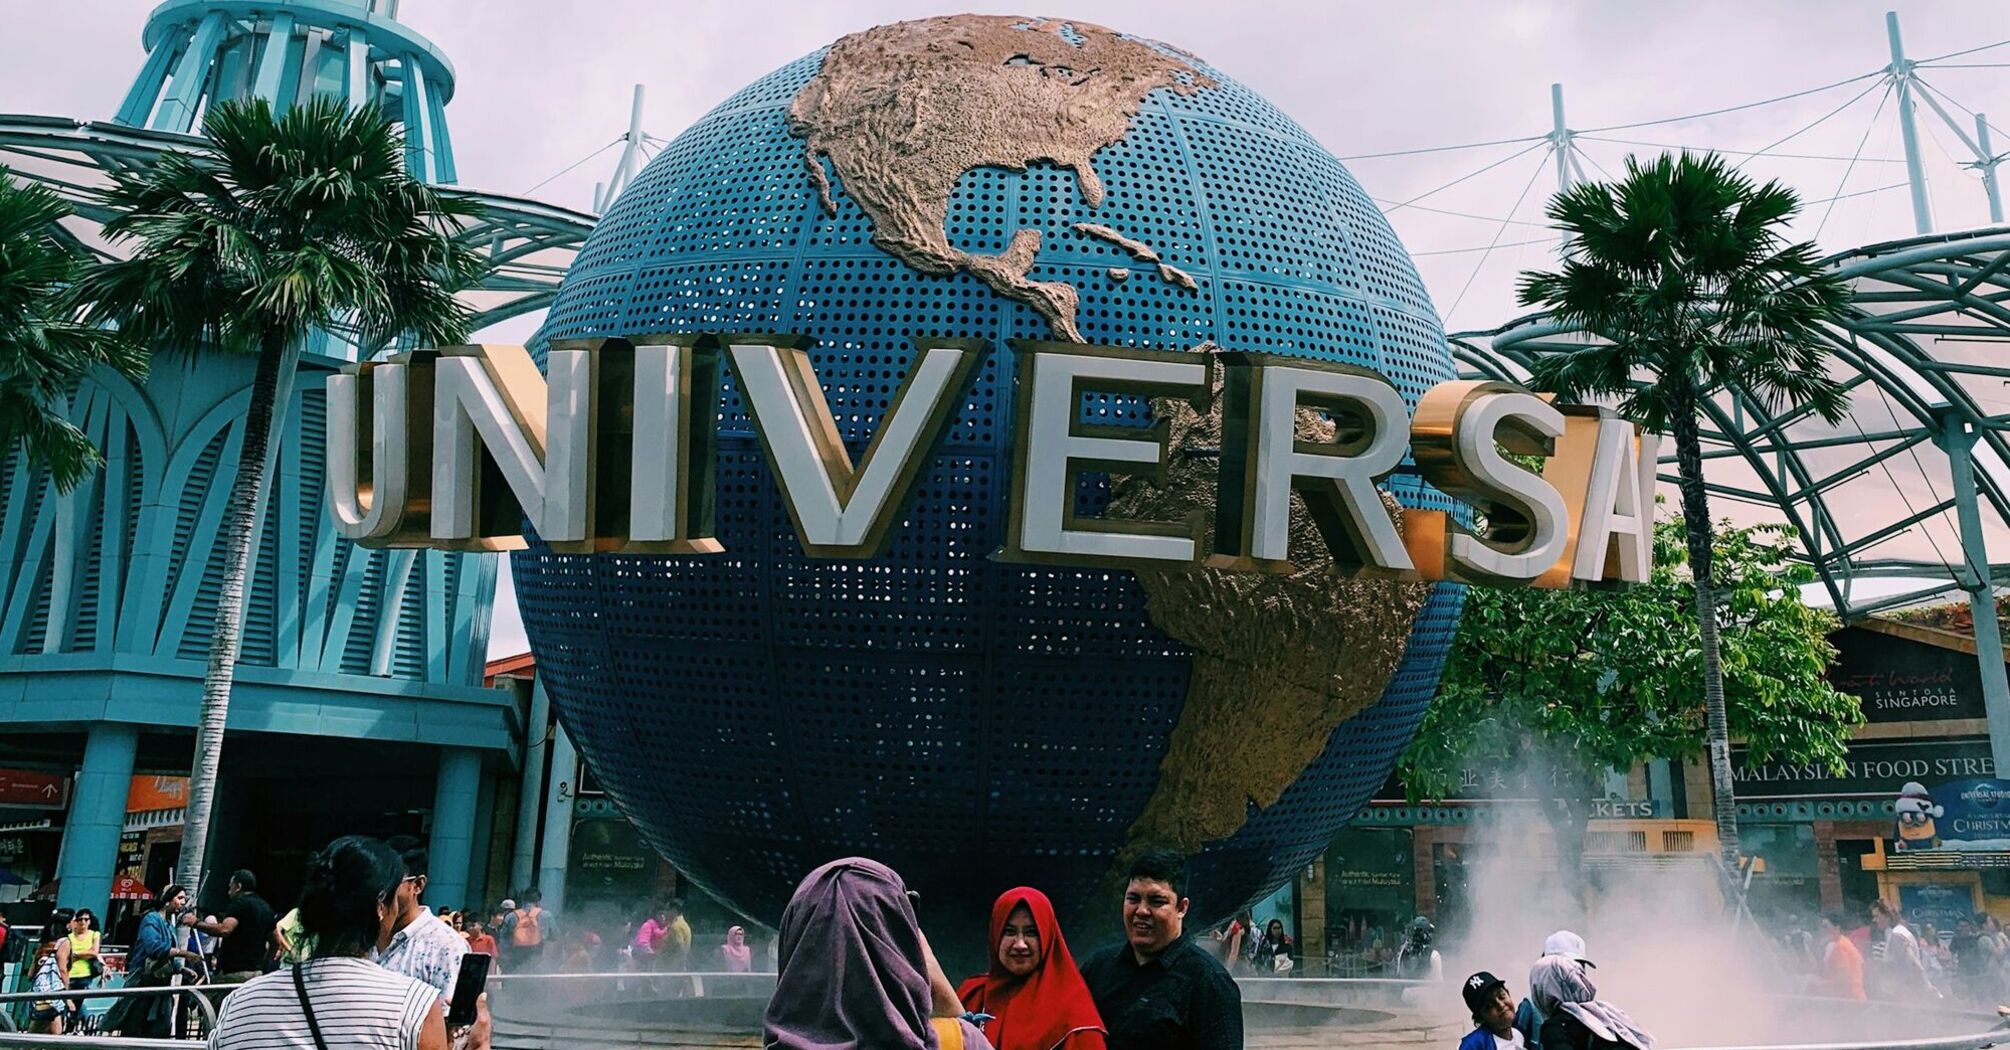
(1493, 1010)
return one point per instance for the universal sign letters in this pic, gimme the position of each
(614, 451)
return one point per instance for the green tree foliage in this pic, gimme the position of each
(1581, 681)
(45, 348)
(247, 243)
(1682, 272)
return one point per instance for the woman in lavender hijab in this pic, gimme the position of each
(852, 919)
(1576, 1018)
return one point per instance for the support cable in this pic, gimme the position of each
(1679, 147)
(1950, 100)
(1886, 97)
(1482, 248)
(575, 164)
(1734, 109)
(1853, 194)
(1462, 214)
(1442, 149)
(1958, 54)
(1818, 121)
(1544, 141)
(1635, 124)
(1594, 160)
(1530, 184)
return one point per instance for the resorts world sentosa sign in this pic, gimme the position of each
(614, 451)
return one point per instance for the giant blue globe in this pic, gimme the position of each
(977, 723)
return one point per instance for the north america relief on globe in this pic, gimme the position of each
(903, 111)
(978, 723)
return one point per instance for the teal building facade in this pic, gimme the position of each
(359, 704)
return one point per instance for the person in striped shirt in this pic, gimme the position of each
(346, 906)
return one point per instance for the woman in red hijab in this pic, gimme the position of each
(1034, 993)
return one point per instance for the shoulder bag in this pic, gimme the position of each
(307, 1007)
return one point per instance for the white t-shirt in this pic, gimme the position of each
(359, 1005)
(1510, 1041)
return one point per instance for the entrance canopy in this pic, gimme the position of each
(1876, 502)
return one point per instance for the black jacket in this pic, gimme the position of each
(1564, 1032)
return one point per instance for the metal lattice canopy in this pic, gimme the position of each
(528, 244)
(1883, 494)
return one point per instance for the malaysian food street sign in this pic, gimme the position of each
(614, 451)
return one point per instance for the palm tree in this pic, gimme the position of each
(1683, 270)
(245, 244)
(45, 347)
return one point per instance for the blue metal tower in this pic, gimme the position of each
(360, 684)
(203, 51)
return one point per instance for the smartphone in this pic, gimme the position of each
(468, 985)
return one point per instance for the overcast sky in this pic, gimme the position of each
(543, 85)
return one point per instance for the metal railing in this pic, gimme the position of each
(91, 1042)
(194, 992)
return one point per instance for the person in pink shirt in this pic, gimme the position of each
(649, 938)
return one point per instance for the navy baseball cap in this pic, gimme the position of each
(1479, 990)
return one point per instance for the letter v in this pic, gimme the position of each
(841, 511)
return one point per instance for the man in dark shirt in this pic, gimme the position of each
(1161, 991)
(246, 929)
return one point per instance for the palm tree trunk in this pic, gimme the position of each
(277, 359)
(1696, 527)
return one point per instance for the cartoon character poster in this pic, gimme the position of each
(1918, 816)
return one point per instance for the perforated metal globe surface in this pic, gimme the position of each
(975, 723)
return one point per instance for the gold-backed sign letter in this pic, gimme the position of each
(1053, 447)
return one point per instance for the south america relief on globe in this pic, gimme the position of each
(976, 723)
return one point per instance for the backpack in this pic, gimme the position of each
(49, 978)
(526, 932)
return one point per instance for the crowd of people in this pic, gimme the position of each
(358, 963)
(361, 953)
(1882, 955)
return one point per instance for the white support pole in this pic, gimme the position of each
(625, 167)
(1915, 174)
(1986, 160)
(1559, 143)
(1559, 138)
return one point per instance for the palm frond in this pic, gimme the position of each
(1681, 270)
(45, 351)
(275, 226)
